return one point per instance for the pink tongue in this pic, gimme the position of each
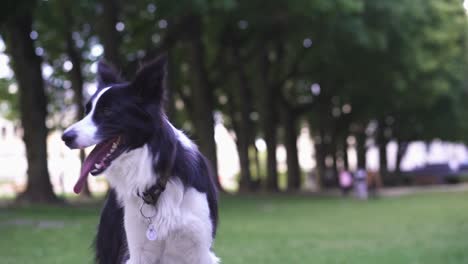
(96, 155)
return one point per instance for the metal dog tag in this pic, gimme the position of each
(151, 233)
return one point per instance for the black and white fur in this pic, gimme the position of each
(185, 216)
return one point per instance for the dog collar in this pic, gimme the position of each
(152, 194)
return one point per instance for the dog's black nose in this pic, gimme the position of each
(69, 137)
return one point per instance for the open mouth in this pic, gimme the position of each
(99, 160)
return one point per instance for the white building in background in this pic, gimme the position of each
(420, 154)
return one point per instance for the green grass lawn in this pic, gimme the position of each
(424, 228)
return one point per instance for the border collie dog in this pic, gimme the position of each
(162, 206)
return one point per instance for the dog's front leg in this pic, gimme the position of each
(141, 250)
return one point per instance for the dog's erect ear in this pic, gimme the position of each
(149, 81)
(107, 75)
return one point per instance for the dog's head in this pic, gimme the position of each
(120, 116)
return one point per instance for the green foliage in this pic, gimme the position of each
(398, 60)
(392, 59)
(8, 100)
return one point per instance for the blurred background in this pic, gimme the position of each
(304, 107)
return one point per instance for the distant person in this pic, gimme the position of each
(346, 181)
(360, 178)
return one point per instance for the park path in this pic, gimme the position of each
(401, 191)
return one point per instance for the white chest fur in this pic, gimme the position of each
(181, 217)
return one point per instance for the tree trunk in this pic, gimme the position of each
(334, 154)
(290, 140)
(382, 144)
(242, 143)
(361, 149)
(33, 102)
(258, 168)
(245, 181)
(345, 154)
(401, 151)
(383, 158)
(245, 126)
(272, 173)
(319, 147)
(268, 123)
(202, 94)
(108, 34)
(76, 77)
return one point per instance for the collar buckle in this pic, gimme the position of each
(151, 195)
